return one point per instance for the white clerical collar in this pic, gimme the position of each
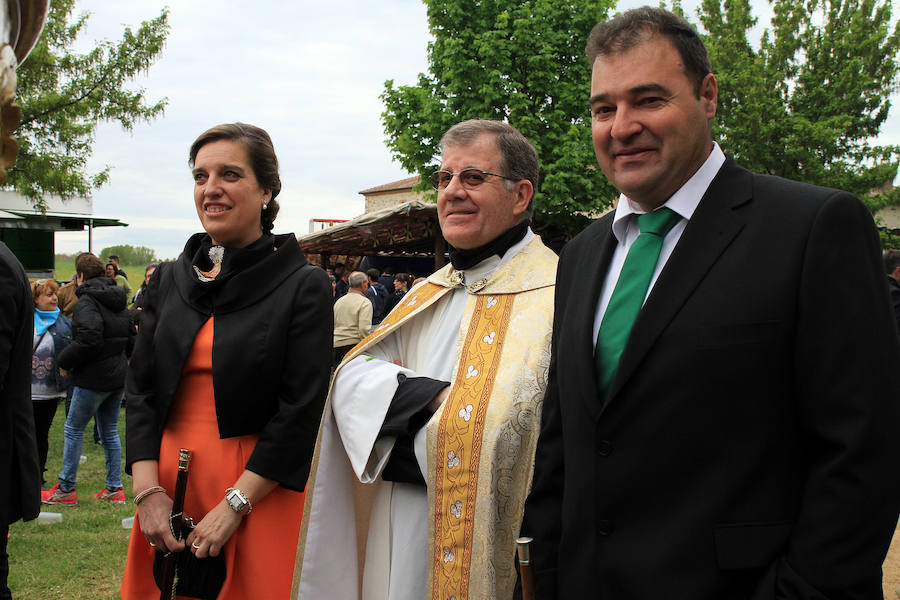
(494, 262)
(684, 201)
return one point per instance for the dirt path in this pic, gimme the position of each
(892, 568)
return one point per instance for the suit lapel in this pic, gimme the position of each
(601, 243)
(710, 231)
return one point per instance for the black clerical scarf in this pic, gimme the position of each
(466, 259)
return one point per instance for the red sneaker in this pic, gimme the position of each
(114, 496)
(56, 496)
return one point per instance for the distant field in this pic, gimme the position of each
(66, 268)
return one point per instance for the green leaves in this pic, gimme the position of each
(65, 95)
(804, 101)
(806, 104)
(522, 62)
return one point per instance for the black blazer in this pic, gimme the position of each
(271, 359)
(748, 447)
(20, 474)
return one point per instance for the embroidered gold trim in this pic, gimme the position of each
(459, 440)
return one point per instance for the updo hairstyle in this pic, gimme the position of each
(261, 153)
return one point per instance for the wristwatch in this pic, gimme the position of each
(238, 501)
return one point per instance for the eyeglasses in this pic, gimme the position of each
(470, 178)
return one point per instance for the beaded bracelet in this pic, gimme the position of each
(150, 490)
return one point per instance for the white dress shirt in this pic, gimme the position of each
(625, 228)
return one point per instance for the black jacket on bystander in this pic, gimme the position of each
(102, 337)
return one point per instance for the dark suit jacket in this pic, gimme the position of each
(20, 474)
(271, 359)
(748, 447)
(378, 296)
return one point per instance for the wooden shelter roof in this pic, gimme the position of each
(407, 229)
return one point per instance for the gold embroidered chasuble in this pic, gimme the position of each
(481, 442)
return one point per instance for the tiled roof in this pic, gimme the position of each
(403, 184)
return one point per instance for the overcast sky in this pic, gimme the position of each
(310, 73)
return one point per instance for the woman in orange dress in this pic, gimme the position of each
(232, 363)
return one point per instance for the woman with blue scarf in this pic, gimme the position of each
(52, 333)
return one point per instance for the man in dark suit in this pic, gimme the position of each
(20, 473)
(732, 434)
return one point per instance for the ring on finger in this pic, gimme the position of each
(195, 545)
(152, 545)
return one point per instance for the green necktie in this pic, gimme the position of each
(629, 293)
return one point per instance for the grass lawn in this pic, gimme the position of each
(66, 268)
(83, 557)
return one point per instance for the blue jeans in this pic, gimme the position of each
(104, 407)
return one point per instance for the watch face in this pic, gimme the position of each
(235, 501)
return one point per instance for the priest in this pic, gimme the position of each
(426, 449)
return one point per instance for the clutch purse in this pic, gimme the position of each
(182, 573)
(197, 577)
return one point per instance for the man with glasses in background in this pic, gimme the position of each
(439, 408)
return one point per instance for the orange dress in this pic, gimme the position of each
(259, 556)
